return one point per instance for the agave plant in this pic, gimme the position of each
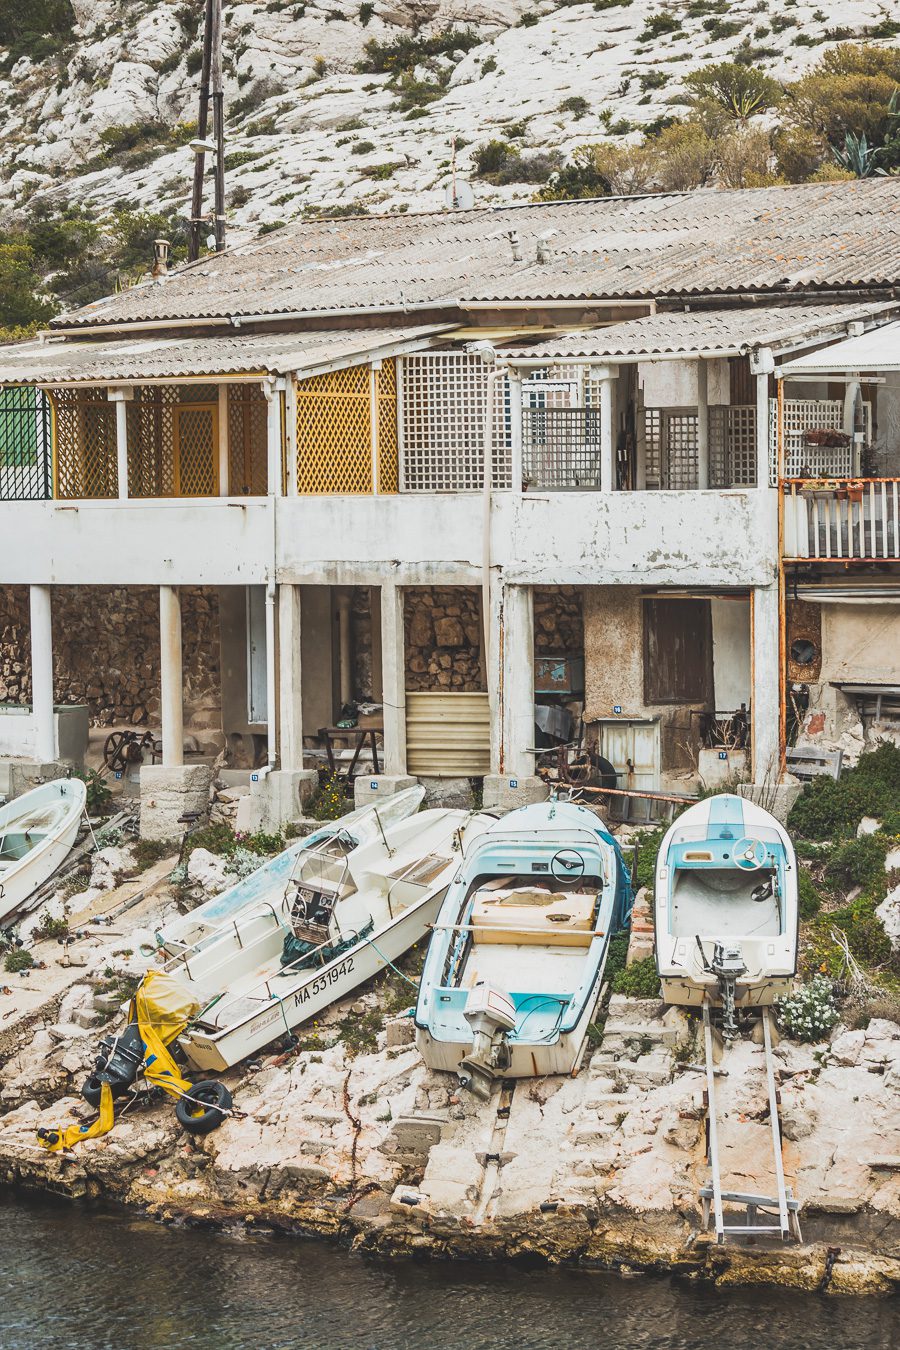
(857, 156)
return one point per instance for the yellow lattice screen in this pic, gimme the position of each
(334, 432)
(165, 457)
(84, 444)
(386, 386)
(196, 441)
(247, 437)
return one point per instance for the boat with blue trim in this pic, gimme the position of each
(515, 964)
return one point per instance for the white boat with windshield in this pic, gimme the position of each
(348, 908)
(266, 885)
(37, 831)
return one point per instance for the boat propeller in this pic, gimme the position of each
(727, 966)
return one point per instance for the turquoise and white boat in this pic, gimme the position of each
(726, 907)
(515, 963)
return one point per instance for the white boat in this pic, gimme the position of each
(37, 831)
(267, 884)
(347, 910)
(515, 965)
(726, 907)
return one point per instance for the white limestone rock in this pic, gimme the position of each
(208, 870)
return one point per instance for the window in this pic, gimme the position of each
(677, 651)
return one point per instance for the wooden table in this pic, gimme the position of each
(369, 732)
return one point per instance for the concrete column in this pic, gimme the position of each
(375, 623)
(607, 377)
(273, 390)
(762, 431)
(170, 676)
(766, 708)
(290, 418)
(121, 398)
(290, 687)
(42, 674)
(393, 669)
(512, 780)
(702, 425)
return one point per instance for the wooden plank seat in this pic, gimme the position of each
(534, 916)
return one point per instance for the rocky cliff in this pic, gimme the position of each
(346, 105)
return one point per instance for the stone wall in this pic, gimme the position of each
(558, 621)
(443, 638)
(106, 651)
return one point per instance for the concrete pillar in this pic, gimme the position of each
(375, 625)
(607, 376)
(702, 425)
(512, 780)
(42, 673)
(121, 398)
(393, 670)
(170, 677)
(345, 646)
(762, 431)
(290, 687)
(766, 708)
(273, 390)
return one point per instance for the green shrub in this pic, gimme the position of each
(409, 51)
(37, 29)
(17, 960)
(659, 25)
(329, 801)
(499, 162)
(808, 895)
(639, 980)
(576, 104)
(362, 148)
(616, 955)
(98, 793)
(865, 933)
(830, 808)
(150, 851)
(859, 862)
(50, 927)
(648, 844)
(738, 90)
(809, 1013)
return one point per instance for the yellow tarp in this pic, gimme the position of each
(162, 1008)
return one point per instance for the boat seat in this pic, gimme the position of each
(534, 916)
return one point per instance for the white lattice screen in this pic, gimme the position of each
(802, 460)
(670, 439)
(442, 424)
(732, 445)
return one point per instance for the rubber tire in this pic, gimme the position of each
(92, 1087)
(217, 1100)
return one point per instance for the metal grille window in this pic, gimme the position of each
(335, 452)
(732, 446)
(25, 456)
(442, 437)
(670, 438)
(561, 447)
(85, 444)
(247, 441)
(805, 460)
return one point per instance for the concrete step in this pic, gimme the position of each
(638, 1031)
(589, 1133)
(648, 1071)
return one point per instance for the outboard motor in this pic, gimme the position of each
(728, 967)
(117, 1064)
(491, 1014)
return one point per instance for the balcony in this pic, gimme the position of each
(842, 519)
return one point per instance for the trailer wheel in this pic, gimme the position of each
(204, 1109)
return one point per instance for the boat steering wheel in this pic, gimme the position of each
(567, 865)
(749, 854)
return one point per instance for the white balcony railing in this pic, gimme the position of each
(849, 519)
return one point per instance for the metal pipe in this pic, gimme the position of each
(271, 740)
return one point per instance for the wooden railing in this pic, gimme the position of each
(849, 519)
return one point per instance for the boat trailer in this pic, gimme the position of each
(712, 1197)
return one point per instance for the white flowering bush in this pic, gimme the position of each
(242, 862)
(809, 1013)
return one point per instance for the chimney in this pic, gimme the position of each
(160, 267)
(513, 238)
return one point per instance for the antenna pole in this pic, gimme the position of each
(202, 126)
(218, 102)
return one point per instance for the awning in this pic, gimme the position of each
(877, 350)
(133, 360)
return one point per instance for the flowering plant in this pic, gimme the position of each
(809, 1013)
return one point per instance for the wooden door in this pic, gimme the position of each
(196, 441)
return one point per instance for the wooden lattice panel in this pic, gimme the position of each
(386, 391)
(444, 396)
(670, 438)
(732, 445)
(247, 441)
(334, 439)
(153, 467)
(85, 444)
(196, 441)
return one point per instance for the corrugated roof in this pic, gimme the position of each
(825, 235)
(876, 350)
(727, 331)
(162, 358)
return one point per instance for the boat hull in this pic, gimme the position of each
(694, 991)
(312, 992)
(19, 881)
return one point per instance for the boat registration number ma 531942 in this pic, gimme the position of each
(321, 983)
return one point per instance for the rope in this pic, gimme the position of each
(395, 969)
